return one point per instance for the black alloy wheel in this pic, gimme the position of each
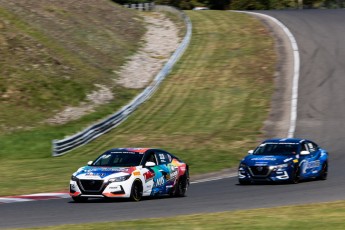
(295, 176)
(324, 172)
(136, 191)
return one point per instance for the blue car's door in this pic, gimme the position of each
(310, 163)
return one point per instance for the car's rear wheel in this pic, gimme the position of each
(79, 199)
(295, 176)
(136, 191)
(181, 186)
(324, 172)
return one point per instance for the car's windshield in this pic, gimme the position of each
(276, 149)
(118, 159)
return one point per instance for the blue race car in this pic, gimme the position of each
(284, 160)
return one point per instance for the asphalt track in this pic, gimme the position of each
(320, 117)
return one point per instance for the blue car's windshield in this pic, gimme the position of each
(276, 149)
(118, 159)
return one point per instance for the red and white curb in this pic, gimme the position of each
(34, 197)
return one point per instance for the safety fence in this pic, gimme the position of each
(60, 147)
(141, 6)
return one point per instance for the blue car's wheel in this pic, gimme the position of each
(324, 172)
(295, 176)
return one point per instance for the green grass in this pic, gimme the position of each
(209, 111)
(316, 216)
(48, 64)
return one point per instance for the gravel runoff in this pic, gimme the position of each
(159, 42)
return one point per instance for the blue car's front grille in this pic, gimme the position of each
(259, 170)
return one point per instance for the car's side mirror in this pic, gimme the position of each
(304, 152)
(150, 164)
(89, 163)
(250, 152)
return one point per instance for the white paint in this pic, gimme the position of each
(214, 178)
(296, 70)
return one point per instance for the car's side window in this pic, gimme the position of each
(151, 157)
(163, 157)
(312, 147)
(304, 147)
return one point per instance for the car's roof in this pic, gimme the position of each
(137, 150)
(284, 140)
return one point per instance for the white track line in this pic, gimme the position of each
(296, 72)
(214, 178)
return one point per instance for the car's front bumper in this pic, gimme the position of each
(99, 188)
(263, 173)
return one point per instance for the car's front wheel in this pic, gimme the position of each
(295, 176)
(136, 191)
(79, 199)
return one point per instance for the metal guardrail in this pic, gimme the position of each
(141, 6)
(60, 147)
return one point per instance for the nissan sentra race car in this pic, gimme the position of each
(284, 160)
(130, 173)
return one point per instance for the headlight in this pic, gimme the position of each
(242, 166)
(120, 178)
(74, 178)
(281, 167)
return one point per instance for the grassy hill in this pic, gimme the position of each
(53, 52)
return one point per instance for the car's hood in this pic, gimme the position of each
(92, 172)
(266, 160)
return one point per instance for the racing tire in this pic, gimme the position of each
(136, 191)
(324, 172)
(295, 176)
(79, 199)
(181, 186)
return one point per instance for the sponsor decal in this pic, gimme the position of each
(148, 176)
(259, 168)
(107, 170)
(136, 173)
(160, 181)
(115, 188)
(173, 174)
(313, 164)
(309, 165)
(288, 159)
(264, 159)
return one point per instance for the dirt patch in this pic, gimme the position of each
(160, 40)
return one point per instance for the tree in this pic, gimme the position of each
(247, 5)
(219, 4)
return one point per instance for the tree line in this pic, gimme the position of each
(243, 4)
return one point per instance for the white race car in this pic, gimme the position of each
(130, 173)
